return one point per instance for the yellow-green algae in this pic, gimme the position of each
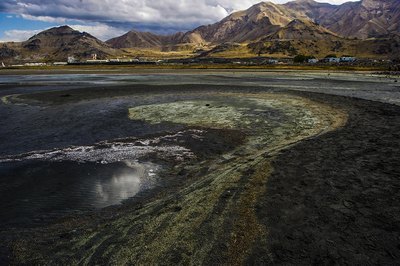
(149, 236)
(10, 99)
(205, 113)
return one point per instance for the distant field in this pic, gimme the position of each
(153, 68)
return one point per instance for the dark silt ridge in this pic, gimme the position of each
(334, 199)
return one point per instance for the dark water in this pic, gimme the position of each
(58, 159)
(34, 192)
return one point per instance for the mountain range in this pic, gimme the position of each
(367, 28)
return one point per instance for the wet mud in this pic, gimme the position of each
(333, 199)
(229, 174)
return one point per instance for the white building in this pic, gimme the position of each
(97, 61)
(35, 64)
(347, 59)
(313, 61)
(332, 60)
(71, 60)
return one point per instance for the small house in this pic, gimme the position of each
(347, 59)
(71, 60)
(333, 60)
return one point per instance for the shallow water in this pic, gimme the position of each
(84, 155)
(39, 186)
(35, 192)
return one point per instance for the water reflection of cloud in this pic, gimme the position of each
(124, 184)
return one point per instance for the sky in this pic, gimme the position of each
(21, 19)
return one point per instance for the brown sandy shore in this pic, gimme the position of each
(331, 198)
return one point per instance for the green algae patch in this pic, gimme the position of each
(214, 215)
(11, 99)
(194, 113)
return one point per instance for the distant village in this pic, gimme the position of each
(256, 61)
(71, 60)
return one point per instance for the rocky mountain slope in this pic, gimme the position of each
(243, 26)
(364, 19)
(311, 9)
(303, 37)
(144, 40)
(309, 38)
(308, 30)
(56, 44)
(299, 29)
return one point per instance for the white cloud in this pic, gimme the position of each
(18, 35)
(100, 31)
(336, 2)
(44, 18)
(165, 13)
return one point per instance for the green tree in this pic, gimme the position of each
(331, 55)
(302, 58)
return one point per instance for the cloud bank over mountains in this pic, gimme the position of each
(103, 18)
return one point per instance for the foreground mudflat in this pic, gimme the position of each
(333, 199)
(256, 173)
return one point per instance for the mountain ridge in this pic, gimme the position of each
(57, 43)
(299, 26)
(350, 20)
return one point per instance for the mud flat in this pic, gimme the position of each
(243, 174)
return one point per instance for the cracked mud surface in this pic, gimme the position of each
(270, 176)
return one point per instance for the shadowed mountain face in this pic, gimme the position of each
(144, 40)
(365, 19)
(63, 41)
(7, 52)
(303, 30)
(311, 9)
(303, 37)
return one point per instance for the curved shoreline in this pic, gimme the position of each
(230, 188)
(338, 203)
(313, 201)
